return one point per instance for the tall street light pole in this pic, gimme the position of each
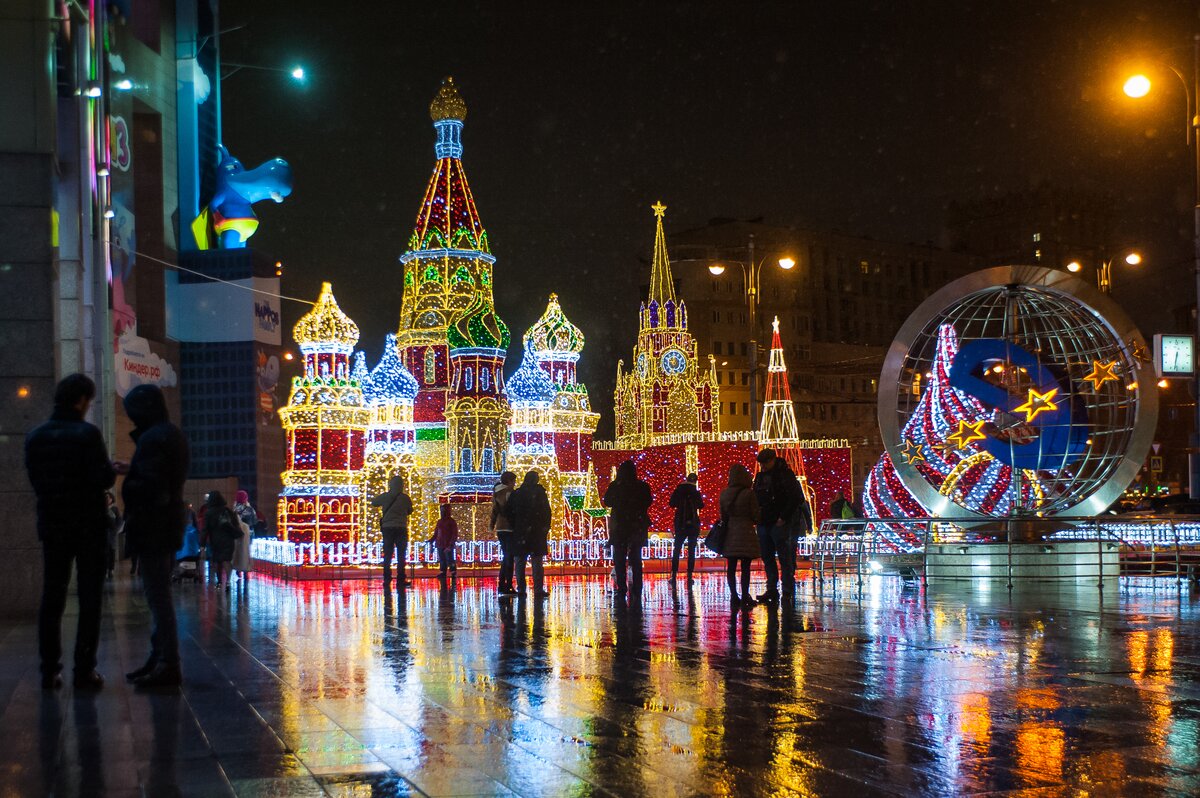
(751, 283)
(1139, 86)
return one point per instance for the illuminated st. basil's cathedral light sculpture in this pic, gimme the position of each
(435, 409)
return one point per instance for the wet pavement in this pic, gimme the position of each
(310, 689)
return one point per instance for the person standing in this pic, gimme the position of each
(779, 499)
(529, 509)
(444, 538)
(397, 507)
(69, 469)
(502, 526)
(840, 507)
(628, 525)
(248, 516)
(154, 521)
(688, 503)
(221, 534)
(740, 512)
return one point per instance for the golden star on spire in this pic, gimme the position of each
(967, 432)
(912, 453)
(1038, 403)
(775, 325)
(1101, 373)
(659, 209)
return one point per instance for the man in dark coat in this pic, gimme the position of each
(628, 525)
(397, 507)
(529, 510)
(688, 503)
(784, 514)
(70, 471)
(154, 519)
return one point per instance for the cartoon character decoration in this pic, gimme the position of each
(228, 220)
(268, 378)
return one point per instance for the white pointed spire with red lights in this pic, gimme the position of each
(778, 429)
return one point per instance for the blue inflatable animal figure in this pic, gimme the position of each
(228, 220)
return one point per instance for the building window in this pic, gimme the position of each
(1037, 255)
(745, 408)
(745, 376)
(745, 350)
(716, 347)
(716, 317)
(718, 378)
(1037, 237)
(733, 408)
(864, 267)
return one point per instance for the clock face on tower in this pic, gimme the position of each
(673, 362)
(641, 366)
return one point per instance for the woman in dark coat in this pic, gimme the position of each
(221, 533)
(739, 510)
(629, 524)
(529, 509)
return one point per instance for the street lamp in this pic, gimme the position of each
(751, 280)
(1104, 270)
(1139, 86)
(296, 73)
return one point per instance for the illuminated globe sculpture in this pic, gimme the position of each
(1015, 391)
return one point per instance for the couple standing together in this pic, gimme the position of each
(69, 468)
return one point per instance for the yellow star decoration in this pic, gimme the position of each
(658, 208)
(912, 453)
(1101, 373)
(967, 432)
(1038, 403)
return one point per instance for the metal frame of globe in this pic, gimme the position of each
(923, 324)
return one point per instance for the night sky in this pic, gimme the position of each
(868, 118)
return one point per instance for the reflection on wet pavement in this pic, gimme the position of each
(329, 689)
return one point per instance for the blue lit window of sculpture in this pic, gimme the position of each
(488, 463)
(464, 461)
(430, 367)
(485, 377)
(468, 378)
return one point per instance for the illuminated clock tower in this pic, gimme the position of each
(664, 393)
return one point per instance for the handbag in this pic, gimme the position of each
(714, 541)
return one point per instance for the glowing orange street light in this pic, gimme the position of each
(716, 268)
(1137, 86)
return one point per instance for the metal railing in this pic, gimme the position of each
(1096, 549)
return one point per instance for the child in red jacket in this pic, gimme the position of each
(445, 535)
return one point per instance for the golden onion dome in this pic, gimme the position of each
(553, 333)
(326, 323)
(448, 104)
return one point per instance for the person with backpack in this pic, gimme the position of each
(501, 524)
(222, 529)
(688, 503)
(397, 507)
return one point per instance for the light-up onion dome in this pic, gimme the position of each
(553, 336)
(326, 328)
(478, 327)
(530, 384)
(448, 104)
(390, 381)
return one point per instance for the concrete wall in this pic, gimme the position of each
(27, 285)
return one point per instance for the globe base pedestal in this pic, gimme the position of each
(1060, 561)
